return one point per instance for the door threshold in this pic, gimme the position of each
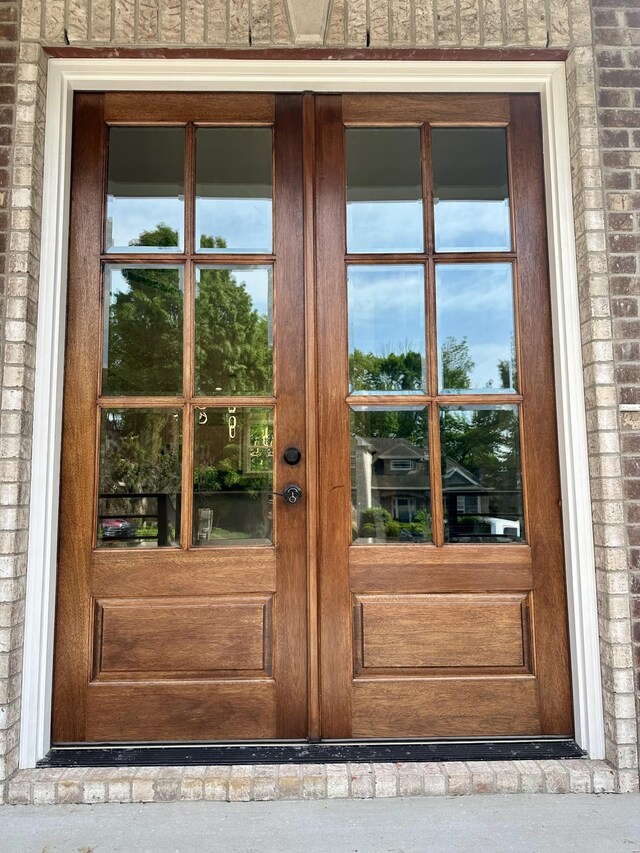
(324, 752)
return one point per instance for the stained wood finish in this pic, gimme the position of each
(180, 643)
(436, 109)
(446, 639)
(424, 631)
(184, 635)
(243, 108)
(446, 707)
(182, 711)
(315, 636)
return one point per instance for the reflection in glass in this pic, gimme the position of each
(233, 476)
(234, 331)
(233, 189)
(140, 478)
(142, 341)
(145, 189)
(476, 336)
(471, 189)
(390, 488)
(386, 329)
(384, 190)
(482, 481)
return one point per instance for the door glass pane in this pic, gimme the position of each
(233, 477)
(390, 488)
(384, 190)
(476, 335)
(142, 340)
(140, 478)
(234, 189)
(145, 189)
(386, 329)
(471, 189)
(234, 330)
(481, 475)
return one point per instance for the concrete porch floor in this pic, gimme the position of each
(497, 823)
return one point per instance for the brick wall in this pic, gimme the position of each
(604, 248)
(617, 36)
(11, 594)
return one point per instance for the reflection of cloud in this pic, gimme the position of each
(475, 301)
(256, 281)
(468, 225)
(131, 216)
(384, 226)
(244, 223)
(386, 309)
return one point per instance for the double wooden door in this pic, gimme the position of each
(309, 463)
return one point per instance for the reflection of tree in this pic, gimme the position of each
(395, 423)
(145, 326)
(485, 442)
(457, 364)
(233, 352)
(392, 372)
(140, 452)
(232, 339)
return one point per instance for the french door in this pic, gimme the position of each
(309, 464)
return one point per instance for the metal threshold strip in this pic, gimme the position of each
(324, 752)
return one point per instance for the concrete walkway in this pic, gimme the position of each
(493, 823)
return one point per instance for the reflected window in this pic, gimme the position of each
(481, 474)
(384, 190)
(142, 340)
(233, 477)
(471, 189)
(390, 486)
(386, 329)
(476, 333)
(234, 331)
(234, 189)
(145, 189)
(140, 478)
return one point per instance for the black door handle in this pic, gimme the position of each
(292, 494)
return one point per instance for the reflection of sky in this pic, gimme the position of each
(244, 223)
(476, 301)
(131, 216)
(463, 226)
(257, 281)
(384, 226)
(386, 309)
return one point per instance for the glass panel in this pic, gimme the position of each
(140, 478)
(234, 330)
(471, 189)
(145, 191)
(384, 190)
(390, 488)
(482, 481)
(476, 335)
(234, 189)
(233, 477)
(142, 341)
(386, 329)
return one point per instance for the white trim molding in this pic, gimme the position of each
(65, 76)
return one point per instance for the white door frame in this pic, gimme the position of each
(65, 76)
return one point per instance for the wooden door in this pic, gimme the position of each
(363, 278)
(182, 587)
(441, 581)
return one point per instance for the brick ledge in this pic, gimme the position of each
(49, 786)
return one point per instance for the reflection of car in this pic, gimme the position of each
(118, 528)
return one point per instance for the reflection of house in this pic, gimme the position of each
(392, 473)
